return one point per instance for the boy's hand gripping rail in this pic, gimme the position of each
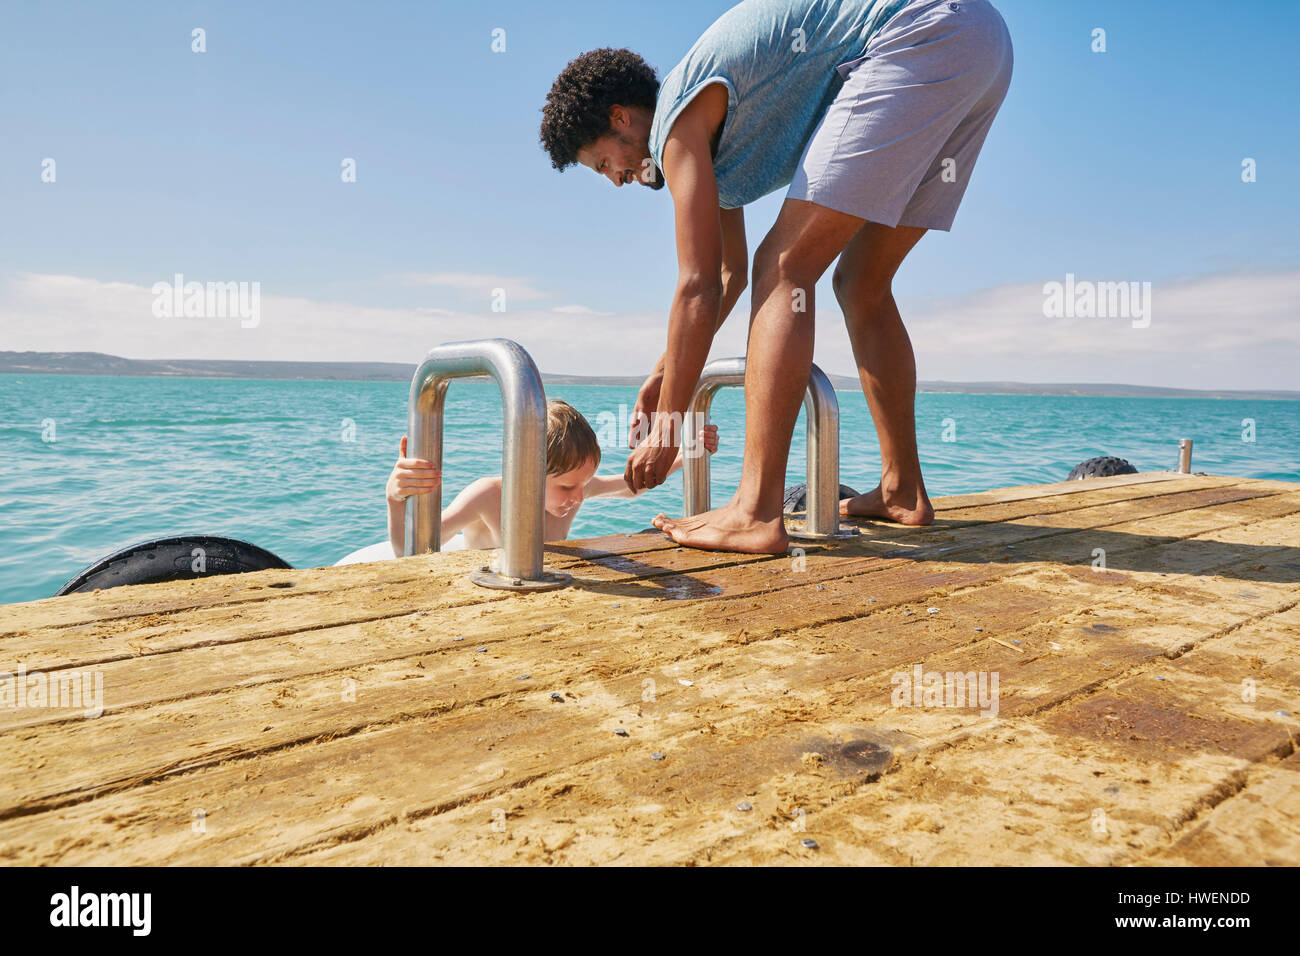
(823, 416)
(523, 488)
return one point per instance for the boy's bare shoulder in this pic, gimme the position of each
(486, 490)
(479, 494)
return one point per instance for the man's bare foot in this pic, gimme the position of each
(726, 529)
(904, 509)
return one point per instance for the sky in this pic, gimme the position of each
(227, 166)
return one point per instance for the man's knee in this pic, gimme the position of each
(858, 290)
(774, 264)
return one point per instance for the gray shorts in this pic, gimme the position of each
(899, 143)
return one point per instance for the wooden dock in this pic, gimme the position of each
(682, 707)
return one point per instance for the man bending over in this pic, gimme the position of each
(872, 112)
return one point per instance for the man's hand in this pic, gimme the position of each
(649, 465)
(647, 400)
(697, 299)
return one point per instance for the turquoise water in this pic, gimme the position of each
(271, 461)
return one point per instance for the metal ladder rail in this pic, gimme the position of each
(523, 472)
(823, 430)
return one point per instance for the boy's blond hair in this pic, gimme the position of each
(570, 442)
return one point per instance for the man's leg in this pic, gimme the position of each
(803, 242)
(863, 285)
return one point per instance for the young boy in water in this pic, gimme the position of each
(572, 456)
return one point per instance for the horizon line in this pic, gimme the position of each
(159, 368)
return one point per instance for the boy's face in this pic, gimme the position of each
(564, 492)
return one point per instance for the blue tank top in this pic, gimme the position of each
(777, 59)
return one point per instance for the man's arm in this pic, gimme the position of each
(698, 298)
(734, 277)
(735, 259)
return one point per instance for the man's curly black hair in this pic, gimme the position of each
(576, 113)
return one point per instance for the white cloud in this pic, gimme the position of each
(52, 313)
(479, 284)
(1227, 330)
(577, 310)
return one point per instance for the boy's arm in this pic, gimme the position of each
(607, 486)
(615, 486)
(397, 526)
(479, 497)
(410, 476)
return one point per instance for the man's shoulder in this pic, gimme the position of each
(698, 124)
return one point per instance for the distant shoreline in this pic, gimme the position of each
(98, 363)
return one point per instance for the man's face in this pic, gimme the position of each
(623, 154)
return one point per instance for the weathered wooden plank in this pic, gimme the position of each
(1089, 497)
(268, 586)
(751, 760)
(261, 587)
(444, 587)
(301, 698)
(1092, 486)
(1203, 531)
(767, 705)
(624, 808)
(761, 681)
(1257, 826)
(1022, 492)
(442, 591)
(1018, 796)
(1101, 775)
(143, 684)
